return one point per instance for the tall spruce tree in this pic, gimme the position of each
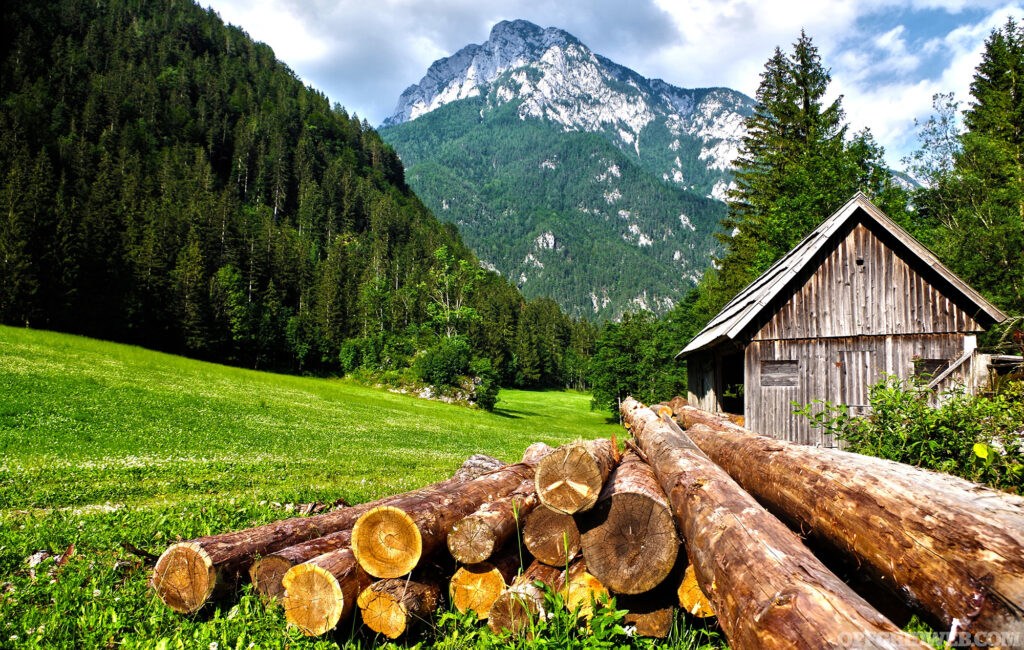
(972, 212)
(796, 167)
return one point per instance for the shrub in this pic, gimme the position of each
(980, 438)
(486, 393)
(444, 363)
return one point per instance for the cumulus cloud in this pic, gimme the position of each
(888, 57)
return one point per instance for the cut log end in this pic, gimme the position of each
(691, 597)
(386, 542)
(476, 587)
(552, 537)
(313, 600)
(630, 542)
(513, 612)
(569, 480)
(586, 592)
(267, 576)
(471, 541)
(184, 577)
(383, 613)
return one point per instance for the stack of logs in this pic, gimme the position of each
(589, 522)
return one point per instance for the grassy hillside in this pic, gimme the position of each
(105, 443)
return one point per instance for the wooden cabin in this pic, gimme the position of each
(856, 299)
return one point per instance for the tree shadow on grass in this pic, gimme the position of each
(515, 415)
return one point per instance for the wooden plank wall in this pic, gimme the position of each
(838, 370)
(864, 288)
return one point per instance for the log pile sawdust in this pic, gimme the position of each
(696, 517)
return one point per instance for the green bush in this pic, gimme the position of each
(486, 392)
(980, 438)
(443, 364)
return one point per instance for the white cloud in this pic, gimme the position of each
(890, 109)
(364, 54)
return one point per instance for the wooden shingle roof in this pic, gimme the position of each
(735, 317)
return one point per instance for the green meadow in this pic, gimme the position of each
(105, 444)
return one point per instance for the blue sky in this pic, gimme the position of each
(887, 57)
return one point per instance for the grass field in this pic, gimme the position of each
(105, 443)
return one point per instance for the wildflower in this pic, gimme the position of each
(95, 593)
(213, 645)
(13, 637)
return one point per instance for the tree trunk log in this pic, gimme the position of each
(268, 573)
(629, 538)
(953, 549)
(551, 537)
(475, 537)
(391, 607)
(580, 588)
(651, 615)
(390, 540)
(517, 608)
(570, 478)
(188, 573)
(323, 591)
(768, 590)
(476, 586)
(692, 598)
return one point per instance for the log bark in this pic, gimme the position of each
(629, 538)
(476, 537)
(323, 591)
(692, 598)
(551, 537)
(581, 589)
(188, 573)
(570, 478)
(476, 586)
(767, 589)
(391, 607)
(953, 549)
(517, 608)
(268, 573)
(389, 541)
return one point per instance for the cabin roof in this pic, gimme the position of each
(748, 304)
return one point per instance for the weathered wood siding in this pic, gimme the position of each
(863, 287)
(838, 370)
(861, 311)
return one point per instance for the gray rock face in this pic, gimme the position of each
(557, 78)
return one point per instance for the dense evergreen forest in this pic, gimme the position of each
(564, 214)
(168, 182)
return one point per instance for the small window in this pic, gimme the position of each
(780, 373)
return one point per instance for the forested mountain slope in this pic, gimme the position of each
(166, 181)
(574, 176)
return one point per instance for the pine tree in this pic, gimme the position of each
(796, 167)
(972, 210)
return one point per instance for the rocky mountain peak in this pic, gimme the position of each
(555, 77)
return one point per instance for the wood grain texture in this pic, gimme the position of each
(629, 538)
(389, 541)
(570, 478)
(954, 550)
(551, 537)
(767, 588)
(474, 538)
(392, 607)
(476, 586)
(517, 608)
(188, 573)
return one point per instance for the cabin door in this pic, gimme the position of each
(858, 370)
